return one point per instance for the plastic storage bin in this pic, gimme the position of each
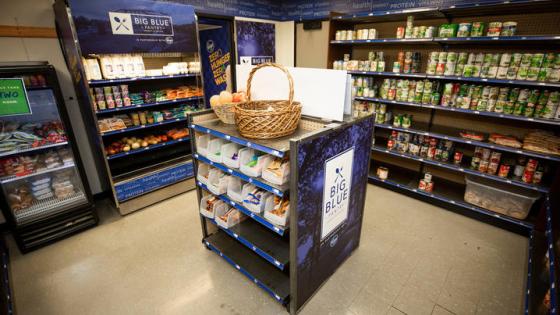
(202, 142)
(217, 181)
(253, 204)
(245, 156)
(284, 173)
(227, 217)
(207, 211)
(235, 189)
(202, 173)
(214, 153)
(230, 150)
(274, 218)
(509, 200)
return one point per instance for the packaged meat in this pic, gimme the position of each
(472, 135)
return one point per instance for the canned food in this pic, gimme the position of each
(382, 172)
(400, 32)
(532, 165)
(477, 29)
(485, 153)
(509, 29)
(429, 187)
(475, 161)
(422, 185)
(428, 177)
(430, 31)
(390, 144)
(464, 30)
(518, 170)
(494, 29)
(372, 34)
(495, 156)
(527, 176)
(504, 170)
(483, 166)
(537, 177)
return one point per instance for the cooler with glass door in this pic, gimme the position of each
(45, 193)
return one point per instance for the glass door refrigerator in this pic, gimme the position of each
(42, 179)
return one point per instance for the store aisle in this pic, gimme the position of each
(414, 258)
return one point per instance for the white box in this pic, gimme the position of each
(217, 181)
(256, 208)
(233, 218)
(228, 150)
(245, 157)
(273, 218)
(202, 142)
(271, 177)
(217, 204)
(214, 153)
(202, 173)
(235, 189)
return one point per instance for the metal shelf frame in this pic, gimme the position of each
(141, 79)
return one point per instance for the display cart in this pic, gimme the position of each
(155, 164)
(289, 253)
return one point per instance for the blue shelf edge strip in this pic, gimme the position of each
(154, 181)
(240, 141)
(529, 274)
(148, 148)
(457, 203)
(252, 247)
(244, 177)
(125, 108)
(147, 126)
(455, 78)
(461, 169)
(159, 77)
(461, 110)
(245, 272)
(276, 229)
(552, 260)
(472, 142)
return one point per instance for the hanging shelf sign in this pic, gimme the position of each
(13, 98)
(121, 27)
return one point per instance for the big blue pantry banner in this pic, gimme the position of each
(332, 174)
(255, 42)
(139, 26)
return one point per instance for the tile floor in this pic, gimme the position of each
(414, 258)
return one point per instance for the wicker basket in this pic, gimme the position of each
(267, 119)
(225, 112)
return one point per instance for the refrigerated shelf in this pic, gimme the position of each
(13, 178)
(32, 149)
(49, 206)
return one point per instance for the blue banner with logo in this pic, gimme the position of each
(331, 189)
(215, 55)
(255, 42)
(120, 26)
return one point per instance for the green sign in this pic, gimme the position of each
(13, 98)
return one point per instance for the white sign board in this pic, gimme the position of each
(336, 192)
(321, 92)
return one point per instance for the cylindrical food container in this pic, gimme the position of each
(494, 29)
(382, 172)
(477, 29)
(509, 29)
(372, 34)
(400, 32)
(464, 30)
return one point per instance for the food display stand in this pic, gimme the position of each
(136, 119)
(288, 252)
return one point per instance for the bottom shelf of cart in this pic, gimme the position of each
(449, 194)
(537, 284)
(273, 281)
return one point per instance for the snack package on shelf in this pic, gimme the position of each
(20, 197)
(542, 141)
(277, 171)
(209, 204)
(254, 198)
(227, 217)
(277, 210)
(508, 141)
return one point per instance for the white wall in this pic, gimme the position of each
(284, 40)
(39, 13)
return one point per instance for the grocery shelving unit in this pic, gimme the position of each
(141, 176)
(538, 32)
(434, 125)
(266, 252)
